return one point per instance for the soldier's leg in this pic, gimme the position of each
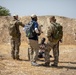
(56, 54)
(47, 57)
(17, 44)
(47, 54)
(13, 48)
(58, 48)
(17, 52)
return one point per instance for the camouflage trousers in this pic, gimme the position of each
(33, 44)
(55, 48)
(15, 43)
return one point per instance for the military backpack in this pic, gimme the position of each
(58, 32)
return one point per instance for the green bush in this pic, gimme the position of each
(4, 11)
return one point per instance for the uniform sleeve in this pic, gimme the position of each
(20, 23)
(49, 31)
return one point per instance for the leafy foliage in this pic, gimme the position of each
(4, 11)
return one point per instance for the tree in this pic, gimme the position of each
(4, 11)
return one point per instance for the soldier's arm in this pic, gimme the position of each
(62, 35)
(49, 32)
(20, 23)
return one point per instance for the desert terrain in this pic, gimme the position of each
(8, 66)
(67, 57)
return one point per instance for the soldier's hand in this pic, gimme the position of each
(60, 41)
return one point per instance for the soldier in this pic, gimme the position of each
(54, 36)
(42, 46)
(33, 41)
(15, 36)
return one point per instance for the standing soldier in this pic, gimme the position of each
(15, 36)
(54, 35)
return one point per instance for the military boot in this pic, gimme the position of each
(47, 64)
(13, 55)
(54, 65)
(17, 57)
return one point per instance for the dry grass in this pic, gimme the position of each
(8, 66)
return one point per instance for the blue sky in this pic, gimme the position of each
(65, 8)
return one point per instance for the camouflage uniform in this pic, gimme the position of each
(47, 55)
(15, 40)
(52, 44)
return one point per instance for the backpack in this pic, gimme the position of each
(29, 29)
(12, 29)
(58, 32)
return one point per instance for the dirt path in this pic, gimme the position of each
(8, 66)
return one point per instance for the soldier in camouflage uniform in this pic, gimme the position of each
(52, 44)
(15, 40)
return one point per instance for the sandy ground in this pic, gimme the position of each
(8, 66)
